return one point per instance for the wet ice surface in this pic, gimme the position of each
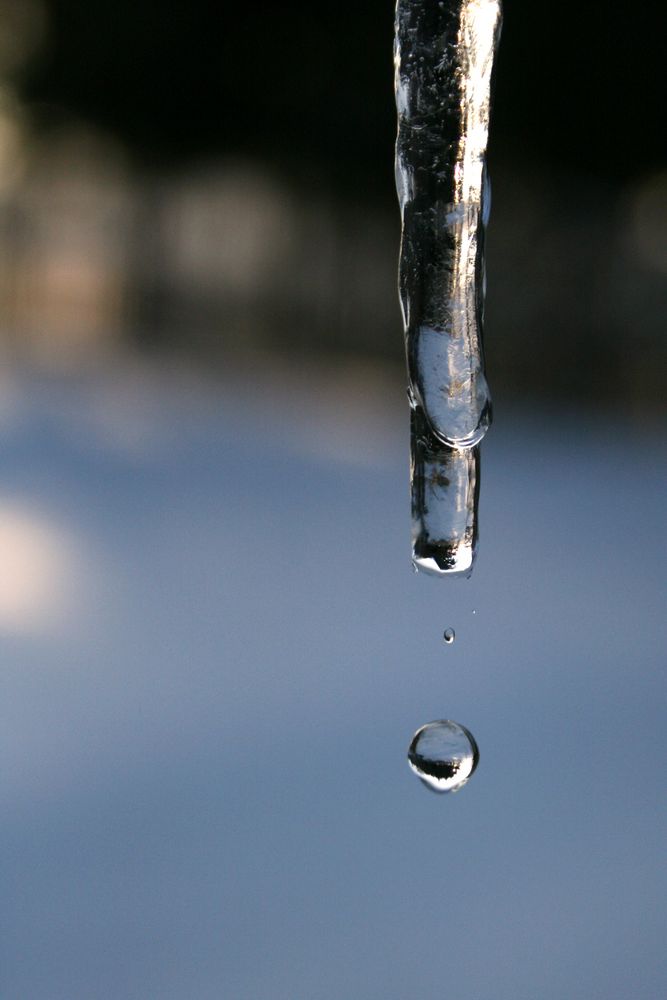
(444, 485)
(444, 57)
(203, 738)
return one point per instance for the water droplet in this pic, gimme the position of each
(474, 611)
(444, 755)
(449, 635)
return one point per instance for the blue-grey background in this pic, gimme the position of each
(213, 652)
(215, 655)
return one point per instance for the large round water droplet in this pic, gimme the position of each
(449, 635)
(444, 755)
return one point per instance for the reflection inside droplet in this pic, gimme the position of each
(444, 755)
(449, 635)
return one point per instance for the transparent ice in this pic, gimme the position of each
(443, 61)
(444, 55)
(444, 755)
(445, 489)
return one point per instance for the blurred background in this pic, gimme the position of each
(213, 652)
(213, 180)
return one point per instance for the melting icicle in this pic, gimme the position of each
(445, 491)
(443, 58)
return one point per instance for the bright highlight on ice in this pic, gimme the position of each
(443, 63)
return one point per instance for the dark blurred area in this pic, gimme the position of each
(217, 179)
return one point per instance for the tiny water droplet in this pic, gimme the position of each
(449, 635)
(474, 611)
(443, 755)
